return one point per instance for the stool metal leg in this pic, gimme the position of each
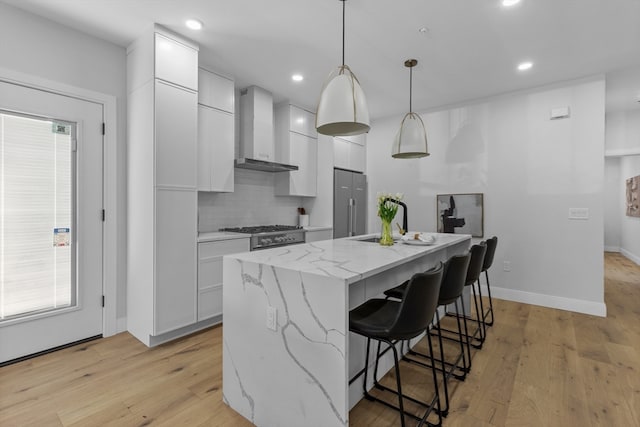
(478, 319)
(490, 311)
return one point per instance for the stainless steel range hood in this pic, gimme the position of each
(257, 148)
(264, 166)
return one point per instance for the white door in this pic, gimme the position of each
(51, 171)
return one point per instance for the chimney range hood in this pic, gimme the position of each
(257, 149)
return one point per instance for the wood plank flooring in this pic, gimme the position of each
(538, 367)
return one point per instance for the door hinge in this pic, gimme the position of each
(104, 128)
(104, 214)
(103, 300)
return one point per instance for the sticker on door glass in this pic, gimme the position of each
(61, 237)
(60, 128)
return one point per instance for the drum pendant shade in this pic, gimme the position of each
(411, 140)
(342, 107)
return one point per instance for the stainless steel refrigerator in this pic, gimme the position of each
(349, 203)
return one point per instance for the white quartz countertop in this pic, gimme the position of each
(213, 236)
(348, 258)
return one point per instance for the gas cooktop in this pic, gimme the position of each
(262, 229)
(269, 236)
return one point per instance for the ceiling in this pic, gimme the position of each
(469, 51)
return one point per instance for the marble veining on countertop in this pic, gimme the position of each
(348, 258)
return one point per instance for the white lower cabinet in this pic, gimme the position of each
(175, 293)
(210, 273)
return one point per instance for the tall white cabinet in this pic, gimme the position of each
(216, 132)
(296, 144)
(162, 89)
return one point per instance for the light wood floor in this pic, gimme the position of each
(539, 367)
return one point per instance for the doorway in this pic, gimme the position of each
(51, 237)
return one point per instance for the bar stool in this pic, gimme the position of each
(473, 275)
(453, 281)
(492, 243)
(477, 252)
(386, 321)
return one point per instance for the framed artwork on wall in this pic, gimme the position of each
(461, 213)
(633, 196)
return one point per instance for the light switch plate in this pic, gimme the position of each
(578, 213)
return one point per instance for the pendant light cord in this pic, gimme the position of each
(343, 11)
(410, 89)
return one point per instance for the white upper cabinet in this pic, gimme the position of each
(296, 144)
(301, 121)
(349, 152)
(216, 132)
(175, 132)
(215, 150)
(176, 62)
(215, 91)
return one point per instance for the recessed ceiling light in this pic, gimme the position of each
(525, 65)
(194, 24)
(297, 77)
(508, 3)
(423, 30)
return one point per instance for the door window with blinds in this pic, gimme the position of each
(37, 200)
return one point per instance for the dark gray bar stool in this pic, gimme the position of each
(492, 243)
(387, 321)
(453, 281)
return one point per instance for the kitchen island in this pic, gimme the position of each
(287, 355)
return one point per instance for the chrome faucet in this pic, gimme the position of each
(405, 226)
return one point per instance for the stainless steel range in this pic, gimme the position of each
(269, 236)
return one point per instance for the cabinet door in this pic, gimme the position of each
(215, 150)
(302, 121)
(304, 153)
(215, 91)
(175, 260)
(357, 157)
(176, 62)
(210, 274)
(175, 136)
(341, 148)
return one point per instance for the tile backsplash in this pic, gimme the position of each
(252, 203)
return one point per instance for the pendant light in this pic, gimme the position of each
(411, 139)
(342, 108)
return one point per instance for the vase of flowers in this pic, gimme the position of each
(387, 209)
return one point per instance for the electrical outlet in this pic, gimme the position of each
(506, 266)
(272, 318)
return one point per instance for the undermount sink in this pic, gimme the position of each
(370, 239)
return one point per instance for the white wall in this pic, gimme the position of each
(531, 171)
(630, 226)
(623, 130)
(613, 203)
(42, 48)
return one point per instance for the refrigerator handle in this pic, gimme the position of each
(350, 227)
(354, 226)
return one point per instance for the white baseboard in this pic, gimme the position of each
(551, 301)
(612, 248)
(632, 257)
